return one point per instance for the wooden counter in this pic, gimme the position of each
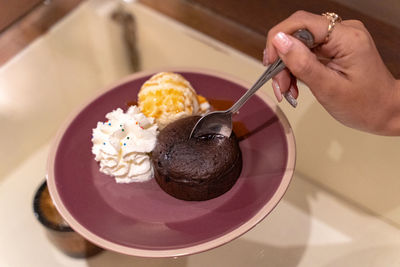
(35, 19)
(240, 24)
(244, 24)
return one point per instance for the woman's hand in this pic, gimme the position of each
(346, 73)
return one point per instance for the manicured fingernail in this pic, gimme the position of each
(290, 98)
(277, 90)
(265, 57)
(282, 43)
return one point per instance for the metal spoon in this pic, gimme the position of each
(220, 122)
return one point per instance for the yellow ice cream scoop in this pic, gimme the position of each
(168, 96)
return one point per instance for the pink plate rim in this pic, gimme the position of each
(261, 214)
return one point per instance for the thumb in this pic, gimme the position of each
(303, 64)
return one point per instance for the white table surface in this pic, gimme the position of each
(310, 226)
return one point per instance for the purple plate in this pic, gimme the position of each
(139, 218)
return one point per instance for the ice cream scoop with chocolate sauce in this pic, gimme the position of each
(195, 169)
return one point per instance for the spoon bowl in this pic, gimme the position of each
(216, 122)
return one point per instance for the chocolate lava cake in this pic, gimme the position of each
(198, 168)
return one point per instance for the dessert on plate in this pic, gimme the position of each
(195, 168)
(168, 96)
(130, 147)
(122, 145)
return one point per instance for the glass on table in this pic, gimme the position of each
(57, 229)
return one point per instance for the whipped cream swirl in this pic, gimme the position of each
(122, 145)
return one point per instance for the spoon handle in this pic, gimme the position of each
(271, 71)
(304, 36)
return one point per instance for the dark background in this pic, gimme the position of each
(241, 24)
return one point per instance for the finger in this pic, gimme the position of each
(342, 40)
(316, 24)
(283, 79)
(304, 64)
(292, 94)
(294, 90)
(323, 54)
(286, 83)
(277, 90)
(354, 23)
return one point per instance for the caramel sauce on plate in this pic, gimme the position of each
(131, 103)
(219, 104)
